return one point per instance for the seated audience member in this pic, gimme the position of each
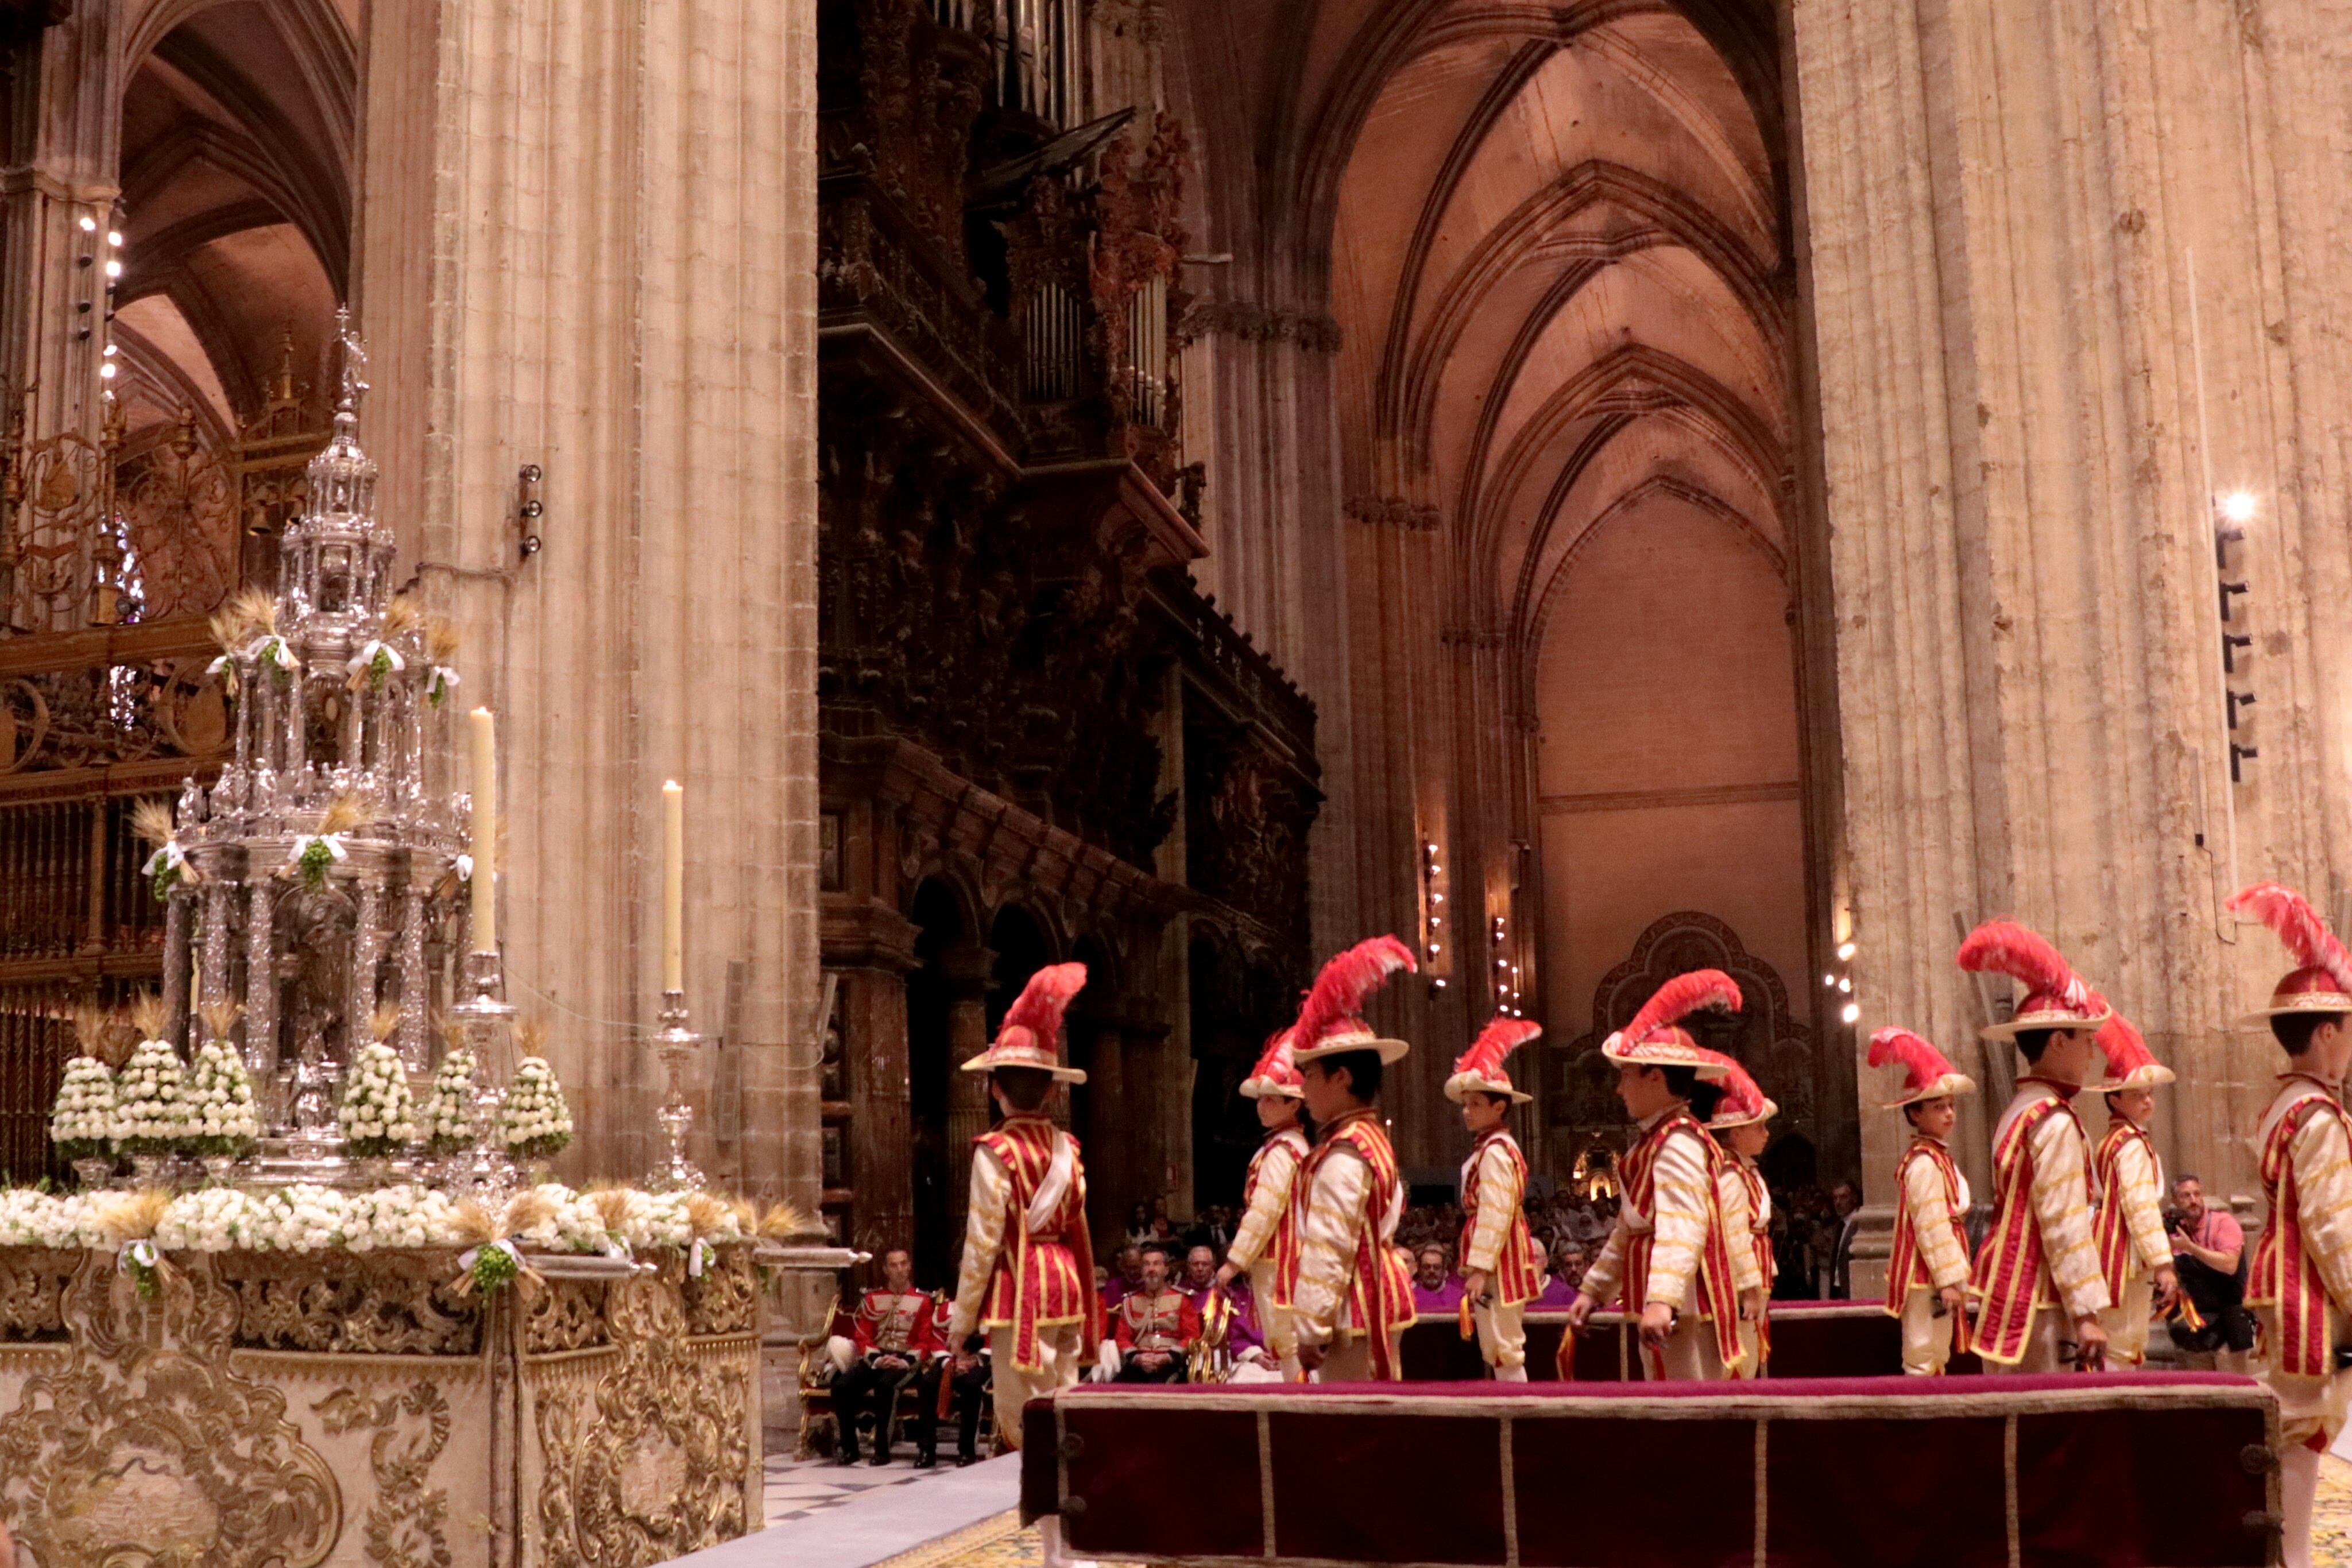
(897, 1347)
(1155, 1327)
(1436, 1288)
(1139, 1225)
(1199, 1274)
(2209, 1250)
(1128, 1280)
(1567, 1273)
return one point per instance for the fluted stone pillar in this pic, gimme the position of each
(588, 243)
(2073, 272)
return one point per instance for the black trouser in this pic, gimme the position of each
(1134, 1371)
(869, 1389)
(970, 1394)
(2219, 1300)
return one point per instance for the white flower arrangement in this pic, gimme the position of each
(304, 1219)
(398, 1217)
(81, 1119)
(30, 1217)
(533, 1122)
(217, 1219)
(218, 1103)
(378, 1114)
(149, 1115)
(448, 1105)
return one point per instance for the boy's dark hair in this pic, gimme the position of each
(1364, 1070)
(1025, 1087)
(2033, 1043)
(1685, 1082)
(2294, 1031)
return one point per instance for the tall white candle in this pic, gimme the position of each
(486, 831)
(673, 887)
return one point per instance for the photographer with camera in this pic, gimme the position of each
(2209, 1248)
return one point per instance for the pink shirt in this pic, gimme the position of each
(2218, 1232)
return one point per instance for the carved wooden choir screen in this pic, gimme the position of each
(111, 555)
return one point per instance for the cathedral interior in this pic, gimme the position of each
(1594, 489)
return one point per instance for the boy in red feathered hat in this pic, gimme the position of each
(1028, 1264)
(1350, 1295)
(1670, 1250)
(2302, 1278)
(2135, 1254)
(1928, 1265)
(2038, 1271)
(1501, 1268)
(1740, 1129)
(1266, 1245)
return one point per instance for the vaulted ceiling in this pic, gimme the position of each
(1554, 238)
(239, 140)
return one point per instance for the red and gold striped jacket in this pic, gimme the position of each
(2020, 1269)
(1270, 1227)
(2119, 1195)
(2289, 1272)
(1044, 1275)
(1494, 1191)
(1165, 1322)
(1371, 1293)
(895, 1323)
(1908, 1268)
(1719, 1299)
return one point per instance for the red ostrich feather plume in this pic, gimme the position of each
(1681, 997)
(2294, 922)
(1043, 1002)
(1501, 1037)
(1742, 1095)
(1275, 1056)
(1919, 1057)
(2125, 1047)
(1339, 992)
(2005, 947)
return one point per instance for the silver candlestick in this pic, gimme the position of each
(676, 1044)
(486, 1019)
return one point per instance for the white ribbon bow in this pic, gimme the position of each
(617, 1246)
(442, 679)
(465, 868)
(362, 661)
(472, 1255)
(171, 856)
(141, 1253)
(302, 842)
(275, 651)
(695, 1256)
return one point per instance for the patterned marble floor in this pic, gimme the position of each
(798, 1488)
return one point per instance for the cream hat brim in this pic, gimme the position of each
(1463, 1083)
(1391, 1051)
(2017, 1025)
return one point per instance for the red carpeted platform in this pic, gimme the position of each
(2135, 1471)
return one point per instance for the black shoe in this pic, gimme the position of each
(926, 1461)
(967, 1459)
(881, 1457)
(845, 1453)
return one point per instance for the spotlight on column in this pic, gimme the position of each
(1845, 951)
(1853, 1013)
(2238, 505)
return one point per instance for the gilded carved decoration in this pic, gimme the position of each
(646, 1452)
(33, 1285)
(404, 1523)
(565, 1315)
(147, 1448)
(233, 1420)
(403, 1304)
(724, 1299)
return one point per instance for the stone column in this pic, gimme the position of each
(63, 156)
(2068, 278)
(588, 243)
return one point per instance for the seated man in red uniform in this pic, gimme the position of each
(899, 1345)
(1156, 1327)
